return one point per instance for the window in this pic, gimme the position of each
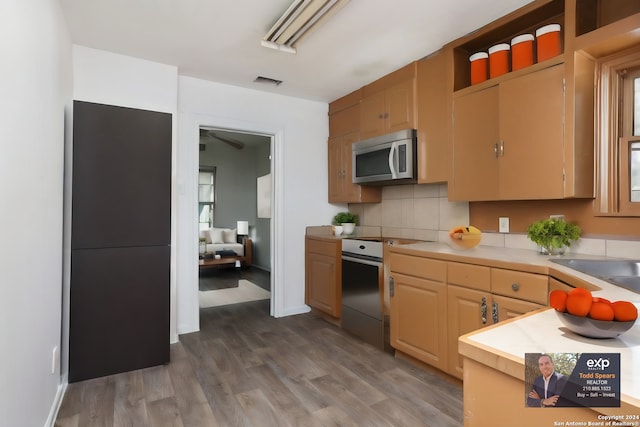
(618, 136)
(206, 197)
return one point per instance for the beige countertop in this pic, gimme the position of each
(502, 346)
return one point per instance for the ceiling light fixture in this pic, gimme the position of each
(298, 21)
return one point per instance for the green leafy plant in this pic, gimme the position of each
(344, 217)
(552, 233)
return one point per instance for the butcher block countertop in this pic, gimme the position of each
(502, 346)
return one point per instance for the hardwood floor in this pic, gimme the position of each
(245, 368)
(225, 277)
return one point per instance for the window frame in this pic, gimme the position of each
(614, 129)
(212, 204)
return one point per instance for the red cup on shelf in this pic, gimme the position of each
(479, 63)
(499, 59)
(548, 41)
(521, 51)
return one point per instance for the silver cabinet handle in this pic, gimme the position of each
(392, 286)
(483, 310)
(515, 287)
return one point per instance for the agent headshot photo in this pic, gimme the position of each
(547, 387)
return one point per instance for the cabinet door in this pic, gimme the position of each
(507, 308)
(475, 141)
(531, 128)
(419, 319)
(345, 121)
(322, 287)
(372, 115)
(341, 186)
(468, 310)
(336, 169)
(399, 106)
(433, 120)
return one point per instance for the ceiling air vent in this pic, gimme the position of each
(261, 79)
(298, 21)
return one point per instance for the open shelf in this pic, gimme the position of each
(525, 20)
(612, 37)
(594, 14)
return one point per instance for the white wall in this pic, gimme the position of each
(35, 88)
(300, 175)
(108, 78)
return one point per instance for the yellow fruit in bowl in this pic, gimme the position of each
(465, 237)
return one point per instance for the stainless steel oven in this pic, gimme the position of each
(362, 292)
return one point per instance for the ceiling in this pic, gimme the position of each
(219, 40)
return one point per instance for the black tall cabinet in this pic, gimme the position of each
(120, 237)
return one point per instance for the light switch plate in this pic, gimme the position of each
(504, 224)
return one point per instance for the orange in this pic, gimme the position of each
(558, 300)
(601, 310)
(579, 302)
(624, 311)
(600, 299)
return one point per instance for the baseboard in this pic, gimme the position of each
(57, 402)
(268, 270)
(293, 311)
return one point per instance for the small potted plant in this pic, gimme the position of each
(347, 220)
(553, 235)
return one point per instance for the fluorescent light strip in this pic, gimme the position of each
(297, 21)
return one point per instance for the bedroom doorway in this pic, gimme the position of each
(234, 226)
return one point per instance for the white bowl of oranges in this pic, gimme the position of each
(592, 317)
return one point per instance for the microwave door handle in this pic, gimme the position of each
(392, 163)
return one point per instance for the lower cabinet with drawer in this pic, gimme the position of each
(434, 302)
(418, 308)
(323, 271)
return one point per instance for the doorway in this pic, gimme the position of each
(233, 168)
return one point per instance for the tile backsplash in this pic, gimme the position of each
(423, 212)
(419, 212)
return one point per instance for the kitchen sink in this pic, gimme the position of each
(624, 273)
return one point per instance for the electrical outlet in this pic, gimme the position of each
(556, 217)
(504, 224)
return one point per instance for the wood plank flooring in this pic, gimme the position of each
(224, 277)
(245, 368)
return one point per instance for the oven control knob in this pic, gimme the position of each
(362, 246)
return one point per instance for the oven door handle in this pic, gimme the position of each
(361, 261)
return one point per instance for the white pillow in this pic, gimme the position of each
(230, 236)
(217, 235)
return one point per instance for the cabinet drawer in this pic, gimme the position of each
(323, 247)
(425, 268)
(469, 275)
(520, 285)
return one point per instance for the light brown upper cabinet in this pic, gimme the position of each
(509, 139)
(527, 134)
(388, 104)
(341, 186)
(433, 101)
(344, 130)
(344, 114)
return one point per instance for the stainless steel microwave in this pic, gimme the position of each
(387, 159)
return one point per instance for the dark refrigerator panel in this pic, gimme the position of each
(121, 177)
(120, 254)
(120, 310)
